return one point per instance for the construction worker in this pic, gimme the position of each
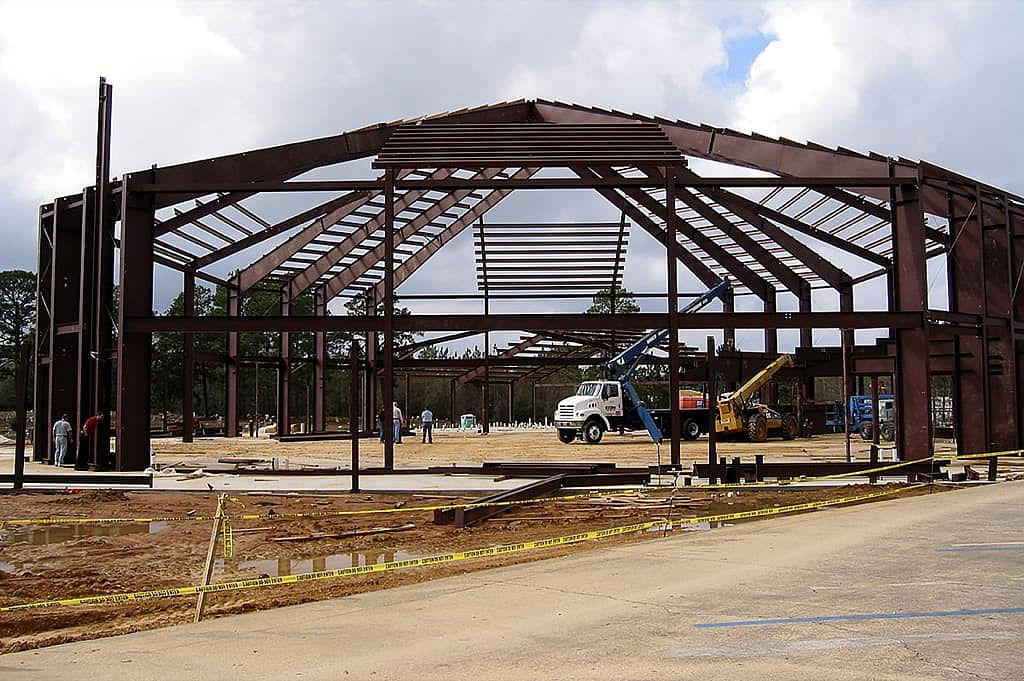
(427, 418)
(399, 420)
(61, 437)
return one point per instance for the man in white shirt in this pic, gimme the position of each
(61, 436)
(397, 413)
(427, 417)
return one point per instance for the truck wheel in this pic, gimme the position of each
(887, 433)
(691, 429)
(790, 429)
(592, 431)
(566, 436)
(757, 428)
(867, 431)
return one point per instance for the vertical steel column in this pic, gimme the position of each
(44, 341)
(966, 294)
(712, 383)
(1001, 378)
(284, 382)
(533, 402)
(511, 401)
(320, 367)
(910, 291)
(846, 395)
(771, 336)
(451, 395)
(874, 427)
(188, 425)
(86, 315)
(353, 411)
(21, 411)
(102, 311)
(370, 376)
(729, 305)
(405, 400)
(134, 349)
(65, 275)
(1014, 226)
(389, 314)
(231, 369)
(672, 243)
(804, 302)
(771, 343)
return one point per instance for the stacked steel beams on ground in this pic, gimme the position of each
(812, 219)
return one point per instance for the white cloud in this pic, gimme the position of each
(921, 80)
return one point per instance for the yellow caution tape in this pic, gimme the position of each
(429, 561)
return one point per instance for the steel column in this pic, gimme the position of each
(672, 242)
(101, 310)
(44, 339)
(910, 288)
(65, 327)
(353, 411)
(231, 369)
(134, 348)
(320, 367)
(389, 312)
(966, 295)
(729, 305)
(188, 425)
(284, 382)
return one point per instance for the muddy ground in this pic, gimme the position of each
(48, 562)
(540, 444)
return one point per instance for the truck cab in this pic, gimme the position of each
(596, 407)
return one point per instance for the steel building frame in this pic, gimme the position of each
(806, 219)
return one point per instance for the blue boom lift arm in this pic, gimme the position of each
(621, 367)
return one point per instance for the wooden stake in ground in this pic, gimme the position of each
(208, 571)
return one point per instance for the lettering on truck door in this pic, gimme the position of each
(612, 400)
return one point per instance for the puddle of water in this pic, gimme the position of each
(281, 567)
(40, 535)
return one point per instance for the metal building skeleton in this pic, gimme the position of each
(441, 174)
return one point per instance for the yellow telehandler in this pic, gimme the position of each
(740, 415)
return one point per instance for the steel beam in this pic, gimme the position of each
(690, 261)
(417, 259)
(337, 203)
(515, 322)
(258, 271)
(354, 270)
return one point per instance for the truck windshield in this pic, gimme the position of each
(592, 389)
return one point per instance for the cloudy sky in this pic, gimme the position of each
(934, 80)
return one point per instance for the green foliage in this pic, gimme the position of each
(620, 301)
(17, 310)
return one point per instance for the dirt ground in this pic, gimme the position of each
(540, 444)
(46, 562)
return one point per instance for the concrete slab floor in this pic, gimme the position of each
(930, 587)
